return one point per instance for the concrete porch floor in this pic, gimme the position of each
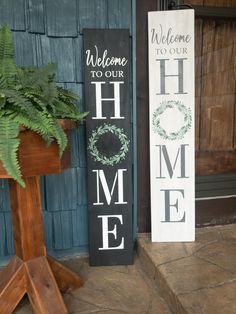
(194, 278)
(109, 290)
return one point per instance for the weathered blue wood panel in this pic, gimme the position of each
(78, 153)
(61, 191)
(81, 186)
(78, 45)
(62, 54)
(77, 89)
(25, 48)
(119, 14)
(62, 231)
(6, 234)
(57, 50)
(4, 196)
(43, 50)
(77, 139)
(92, 14)
(48, 230)
(61, 18)
(80, 226)
(3, 234)
(36, 16)
(9, 245)
(13, 13)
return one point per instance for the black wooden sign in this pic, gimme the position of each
(107, 97)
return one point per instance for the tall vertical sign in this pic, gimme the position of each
(171, 100)
(107, 92)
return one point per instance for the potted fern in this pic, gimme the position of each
(30, 99)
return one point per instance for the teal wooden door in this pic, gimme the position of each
(52, 31)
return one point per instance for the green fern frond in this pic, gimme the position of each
(50, 92)
(9, 143)
(7, 63)
(3, 83)
(37, 77)
(29, 97)
(41, 123)
(18, 99)
(60, 137)
(65, 94)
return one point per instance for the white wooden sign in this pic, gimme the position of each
(171, 101)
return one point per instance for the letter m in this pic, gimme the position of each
(171, 166)
(102, 183)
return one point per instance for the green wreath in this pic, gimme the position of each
(97, 133)
(156, 123)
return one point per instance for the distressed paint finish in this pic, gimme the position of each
(171, 123)
(118, 14)
(61, 50)
(61, 18)
(92, 14)
(25, 48)
(13, 13)
(51, 31)
(36, 16)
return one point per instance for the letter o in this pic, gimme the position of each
(98, 73)
(108, 73)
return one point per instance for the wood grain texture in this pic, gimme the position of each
(212, 162)
(218, 87)
(29, 271)
(61, 50)
(27, 219)
(36, 16)
(42, 289)
(79, 70)
(92, 14)
(61, 18)
(198, 81)
(220, 3)
(25, 48)
(35, 158)
(12, 285)
(65, 278)
(213, 212)
(120, 14)
(144, 215)
(13, 13)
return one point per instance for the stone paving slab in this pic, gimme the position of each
(197, 277)
(109, 290)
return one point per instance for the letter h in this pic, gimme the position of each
(163, 76)
(99, 99)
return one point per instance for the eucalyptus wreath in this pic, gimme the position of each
(156, 120)
(104, 129)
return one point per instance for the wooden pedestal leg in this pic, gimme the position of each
(12, 285)
(42, 288)
(66, 279)
(27, 219)
(30, 271)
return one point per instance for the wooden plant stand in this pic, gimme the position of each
(31, 271)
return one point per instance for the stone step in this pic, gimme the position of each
(197, 277)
